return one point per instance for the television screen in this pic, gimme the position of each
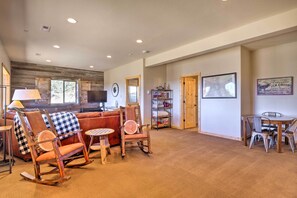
(97, 96)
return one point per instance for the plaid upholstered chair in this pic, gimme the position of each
(45, 148)
(132, 129)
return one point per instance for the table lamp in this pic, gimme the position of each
(26, 94)
(16, 104)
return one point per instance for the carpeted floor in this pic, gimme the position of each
(184, 164)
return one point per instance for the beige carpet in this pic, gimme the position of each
(184, 164)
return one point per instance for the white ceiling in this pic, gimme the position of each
(111, 27)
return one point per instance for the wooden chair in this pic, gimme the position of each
(130, 133)
(255, 126)
(49, 150)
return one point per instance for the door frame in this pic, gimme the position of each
(139, 89)
(198, 110)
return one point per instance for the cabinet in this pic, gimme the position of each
(161, 109)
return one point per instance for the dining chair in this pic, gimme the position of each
(289, 133)
(271, 114)
(255, 126)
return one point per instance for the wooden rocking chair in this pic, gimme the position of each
(45, 148)
(132, 129)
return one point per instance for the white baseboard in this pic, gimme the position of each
(221, 136)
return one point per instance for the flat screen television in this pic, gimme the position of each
(97, 96)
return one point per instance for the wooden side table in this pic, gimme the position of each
(7, 142)
(103, 146)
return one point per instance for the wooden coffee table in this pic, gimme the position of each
(103, 146)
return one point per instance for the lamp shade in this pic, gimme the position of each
(26, 94)
(15, 104)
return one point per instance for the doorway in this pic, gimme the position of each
(190, 107)
(6, 83)
(133, 90)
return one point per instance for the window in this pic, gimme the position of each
(63, 91)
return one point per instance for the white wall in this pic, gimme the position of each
(119, 75)
(153, 77)
(276, 61)
(218, 116)
(246, 83)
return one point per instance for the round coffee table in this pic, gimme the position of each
(103, 146)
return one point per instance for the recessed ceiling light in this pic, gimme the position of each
(91, 66)
(108, 56)
(48, 60)
(139, 41)
(71, 20)
(224, 0)
(56, 46)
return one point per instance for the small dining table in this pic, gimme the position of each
(279, 121)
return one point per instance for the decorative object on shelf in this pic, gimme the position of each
(219, 86)
(115, 89)
(161, 109)
(159, 88)
(275, 86)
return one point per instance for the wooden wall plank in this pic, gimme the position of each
(38, 76)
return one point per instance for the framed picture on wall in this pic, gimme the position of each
(219, 86)
(275, 86)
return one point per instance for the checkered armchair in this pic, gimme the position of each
(45, 147)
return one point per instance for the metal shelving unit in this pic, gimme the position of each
(161, 108)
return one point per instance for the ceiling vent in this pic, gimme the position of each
(46, 28)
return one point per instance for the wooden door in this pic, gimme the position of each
(190, 102)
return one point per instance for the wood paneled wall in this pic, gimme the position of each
(38, 76)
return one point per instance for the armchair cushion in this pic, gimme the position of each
(63, 150)
(130, 127)
(45, 135)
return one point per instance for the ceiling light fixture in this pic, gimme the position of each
(56, 46)
(49, 61)
(71, 20)
(224, 0)
(108, 56)
(91, 66)
(139, 41)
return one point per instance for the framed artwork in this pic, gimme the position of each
(115, 89)
(219, 86)
(275, 86)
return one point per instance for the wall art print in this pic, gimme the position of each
(275, 86)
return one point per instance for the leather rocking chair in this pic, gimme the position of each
(45, 148)
(132, 129)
